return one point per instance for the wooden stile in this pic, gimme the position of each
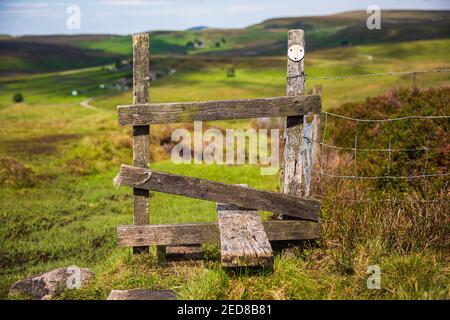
(243, 236)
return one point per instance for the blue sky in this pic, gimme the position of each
(128, 16)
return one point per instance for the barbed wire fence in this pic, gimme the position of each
(309, 167)
(379, 74)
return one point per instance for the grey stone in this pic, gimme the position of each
(48, 285)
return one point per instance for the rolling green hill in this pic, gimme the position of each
(268, 38)
(34, 57)
(37, 54)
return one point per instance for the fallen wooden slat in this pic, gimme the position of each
(198, 233)
(243, 241)
(302, 208)
(183, 112)
(141, 294)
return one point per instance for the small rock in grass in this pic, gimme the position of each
(48, 285)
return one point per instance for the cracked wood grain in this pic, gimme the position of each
(243, 241)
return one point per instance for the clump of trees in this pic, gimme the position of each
(231, 72)
(220, 42)
(190, 45)
(18, 97)
(198, 44)
(194, 44)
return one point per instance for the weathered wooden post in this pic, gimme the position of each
(141, 134)
(316, 152)
(291, 169)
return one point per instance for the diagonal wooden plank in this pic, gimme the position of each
(307, 209)
(243, 241)
(182, 112)
(198, 233)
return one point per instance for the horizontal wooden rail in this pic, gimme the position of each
(302, 208)
(183, 112)
(198, 233)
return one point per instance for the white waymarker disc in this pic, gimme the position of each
(296, 52)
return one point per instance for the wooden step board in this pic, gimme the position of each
(243, 241)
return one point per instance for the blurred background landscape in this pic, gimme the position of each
(61, 147)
